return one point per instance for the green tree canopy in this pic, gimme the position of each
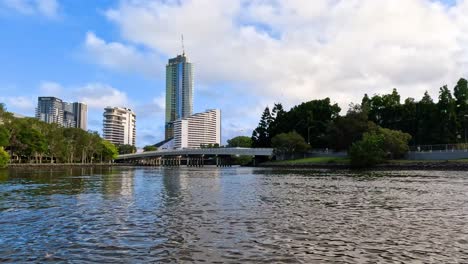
(126, 149)
(240, 142)
(348, 129)
(377, 145)
(368, 151)
(149, 148)
(260, 136)
(108, 150)
(4, 158)
(4, 136)
(287, 144)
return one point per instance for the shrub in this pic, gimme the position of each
(368, 151)
(4, 158)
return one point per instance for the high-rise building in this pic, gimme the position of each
(68, 116)
(50, 110)
(198, 130)
(179, 92)
(119, 125)
(54, 110)
(80, 111)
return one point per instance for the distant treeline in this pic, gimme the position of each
(320, 124)
(30, 140)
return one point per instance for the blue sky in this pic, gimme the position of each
(247, 54)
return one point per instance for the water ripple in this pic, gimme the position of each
(233, 215)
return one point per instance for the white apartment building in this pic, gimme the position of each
(198, 129)
(119, 125)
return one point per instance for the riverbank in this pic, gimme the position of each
(344, 164)
(62, 165)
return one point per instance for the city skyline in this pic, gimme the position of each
(246, 54)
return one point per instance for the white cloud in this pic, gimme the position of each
(99, 95)
(118, 56)
(21, 104)
(47, 8)
(291, 51)
(48, 88)
(299, 50)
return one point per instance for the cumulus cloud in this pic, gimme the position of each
(100, 95)
(118, 56)
(47, 88)
(296, 50)
(21, 104)
(47, 8)
(299, 50)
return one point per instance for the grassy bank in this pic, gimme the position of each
(311, 161)
(344, 163)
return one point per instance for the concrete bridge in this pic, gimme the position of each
(194, 157)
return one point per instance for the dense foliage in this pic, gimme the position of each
(149, 148)
(240, 142)
(310, 120)
(30, 140)
(319, 122)
(378, 145)
(126, 149)
(287, 144)
(4, 158)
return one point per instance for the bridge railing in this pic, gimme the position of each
(202, 151)
(440, 148)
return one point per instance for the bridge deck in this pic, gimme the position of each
(207, 152)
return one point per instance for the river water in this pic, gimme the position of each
(233, 215)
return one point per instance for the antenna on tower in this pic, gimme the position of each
(183, 48)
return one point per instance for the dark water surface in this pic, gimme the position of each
(233, 215)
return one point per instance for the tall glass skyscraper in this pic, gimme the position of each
(179, 92)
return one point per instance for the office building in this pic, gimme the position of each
(179, 92)
(50, 110)
(198, 130)
(54, 110)
(119, 126)
(80, 111)
(68, 116)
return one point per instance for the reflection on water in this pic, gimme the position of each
(243, 215)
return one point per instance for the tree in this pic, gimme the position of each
(395, 143)
(4, 158)
(377, 145)
(348, 129)
(108, 151)
(426, 121)
(260, 136)
(461, 99)
(368, 151)
(149, 148)
(447, 116)
(310, 119)
(240, 142)
(288, 144)
(384, 110)
(4, 136)
(126, 149)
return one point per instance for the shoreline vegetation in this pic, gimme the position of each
(345, 164)
(374, 132)
(31, 141)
